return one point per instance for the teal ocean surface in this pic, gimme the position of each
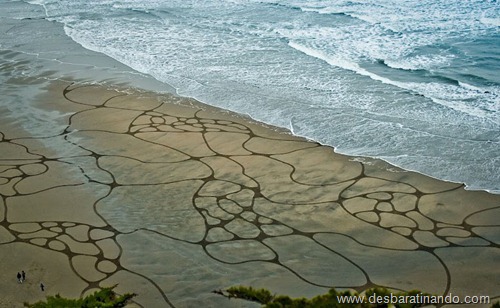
(415, 83)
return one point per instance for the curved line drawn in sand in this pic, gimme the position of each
(172, 200)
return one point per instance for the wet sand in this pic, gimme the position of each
(172, 199)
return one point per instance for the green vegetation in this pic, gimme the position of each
(105, 298)
(262, 296)
(329, 300)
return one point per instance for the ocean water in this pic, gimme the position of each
(415, 83)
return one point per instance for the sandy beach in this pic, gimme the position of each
(172, 199)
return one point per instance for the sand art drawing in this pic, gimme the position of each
(171, 201)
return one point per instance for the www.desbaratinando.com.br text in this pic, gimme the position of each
(414, 299)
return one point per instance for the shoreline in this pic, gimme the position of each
(171, 89)
(172, 199)
(287, 130)
(81, 63)
(407, 156)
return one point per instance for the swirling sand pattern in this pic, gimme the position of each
(172, 199)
